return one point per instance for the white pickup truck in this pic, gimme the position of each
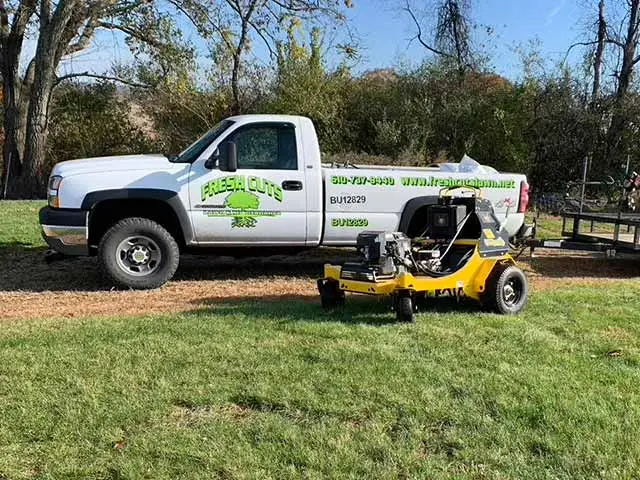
(252, 181)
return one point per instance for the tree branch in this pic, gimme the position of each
(85, 39)
(100, 77)
(419, 35)
(615, 42)
(264, 38)
(186, 13)
(577, 44)
(45, 12)
(305, 7)
(589, 44)
(131, 32)
(4, 21)
(22, 16)
(210, 22)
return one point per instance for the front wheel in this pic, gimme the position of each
(138, 253)
(405, 309)
(330, 294)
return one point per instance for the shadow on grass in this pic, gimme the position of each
(358, 309)
(23, 268)
(16, 246)
(301, 308)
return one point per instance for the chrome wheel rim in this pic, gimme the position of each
(138, 256)
(511, 292)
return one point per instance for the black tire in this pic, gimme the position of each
(507, 290)
(404, 307)
(119, 267)
(330, 295)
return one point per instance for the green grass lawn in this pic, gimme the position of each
(255, 390)
(19, 224)
(549, 227)
(283, 390)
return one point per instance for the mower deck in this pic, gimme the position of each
(468, 282)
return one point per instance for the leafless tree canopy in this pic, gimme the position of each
(451, 39)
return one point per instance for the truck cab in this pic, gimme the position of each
(271, 195)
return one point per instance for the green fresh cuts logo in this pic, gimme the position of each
(243, 202)
(240, 183)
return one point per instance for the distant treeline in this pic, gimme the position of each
(543, 127)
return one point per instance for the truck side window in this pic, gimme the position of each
(267, 147)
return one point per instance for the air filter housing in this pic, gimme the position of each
(444, 220)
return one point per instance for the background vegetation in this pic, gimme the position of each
(543, 124)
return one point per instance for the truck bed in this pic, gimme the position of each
(376, 197)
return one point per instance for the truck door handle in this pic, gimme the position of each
(292, 185)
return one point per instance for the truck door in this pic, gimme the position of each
(264, 201)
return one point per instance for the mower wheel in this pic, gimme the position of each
(330, 294)
(404, 309)
(508, 290)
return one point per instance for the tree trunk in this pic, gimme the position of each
(599, 55)
(33, 178)
(619, 122)
(14, 115)
(40, 78)
(235, 74)
(236, 108)
(13, 131)
(630, 46)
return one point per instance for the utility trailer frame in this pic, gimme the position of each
(609, 233)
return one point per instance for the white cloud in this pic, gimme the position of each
(553, 13)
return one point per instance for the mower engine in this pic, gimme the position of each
(384, 255)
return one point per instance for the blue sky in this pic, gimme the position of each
(384, 32)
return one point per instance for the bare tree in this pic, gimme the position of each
(453, 31)
(598, 58)
(617, 45)
(452, 35)
(627, 43)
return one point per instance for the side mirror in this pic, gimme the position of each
(228, 157)
(212, 161)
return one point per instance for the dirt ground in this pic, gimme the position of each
(30, 288)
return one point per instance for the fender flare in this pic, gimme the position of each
(169, 197)
(411, 207)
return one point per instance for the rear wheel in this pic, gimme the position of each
(508, 290)
(138, 253)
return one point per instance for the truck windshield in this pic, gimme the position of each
(194, 150)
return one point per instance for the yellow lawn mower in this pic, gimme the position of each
(463, 253)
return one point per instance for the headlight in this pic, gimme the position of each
(54, 187)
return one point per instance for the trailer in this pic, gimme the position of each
(610, 231)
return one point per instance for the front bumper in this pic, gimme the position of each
(65, 230)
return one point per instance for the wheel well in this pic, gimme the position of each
(108, 212)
